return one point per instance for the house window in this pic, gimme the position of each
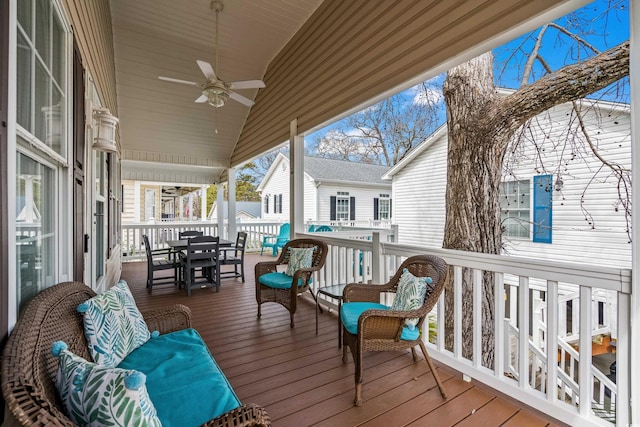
(41, 77)
(150, 205)
(342, 207)
(42, 111)
(515, 205)
(277, 203)
(382, 207)
(36, 222)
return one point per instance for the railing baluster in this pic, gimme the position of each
(499, 302)
(441, 314)
(523, 322)
(457, 311)
(623, 362)
(477, 317)
(586, 379)
(551, 340)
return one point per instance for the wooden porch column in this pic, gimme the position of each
(231, 230)
(203, 203)
(296, 180)
(634, 319)
(220, 211)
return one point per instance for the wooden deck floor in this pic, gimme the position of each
(299, 377)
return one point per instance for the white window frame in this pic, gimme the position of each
(384, 207)
(516, 209)
(341, 213)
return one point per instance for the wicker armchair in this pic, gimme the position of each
(29, 370)
(380, 330)
(288, 296)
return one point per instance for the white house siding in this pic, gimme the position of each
(572, 236)
(419, 197)
(363, 199)
(419, 192)
(278, 183)
(310, 199)
(128, 200)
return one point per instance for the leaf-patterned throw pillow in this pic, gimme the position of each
(95, 395)
(410, 294)
(113, 325)
(299, 258)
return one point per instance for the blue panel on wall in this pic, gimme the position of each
(542, 212)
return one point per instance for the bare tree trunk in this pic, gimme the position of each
(473, 188)
(480, 125)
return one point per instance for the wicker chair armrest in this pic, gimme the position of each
(265, 267)
(363, 292)
(385, 324)
(249, 415)
(168, 319)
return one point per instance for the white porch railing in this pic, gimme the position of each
(545, 386)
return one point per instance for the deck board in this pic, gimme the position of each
(299, 376)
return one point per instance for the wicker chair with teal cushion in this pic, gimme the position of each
(368, 325)
(276, 242)
(290, 275)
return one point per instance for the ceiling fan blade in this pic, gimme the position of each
(201, 99)
(184, 82)
(241, 99)
(207, 70)
(247, 84)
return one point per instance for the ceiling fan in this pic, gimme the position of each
(216, 92)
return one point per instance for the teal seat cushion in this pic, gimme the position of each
(184, 382)
(279, 280)
(350, 313)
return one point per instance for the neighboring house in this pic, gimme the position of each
(244, 211)
(532, 199)
(153, 202)
(335, 191)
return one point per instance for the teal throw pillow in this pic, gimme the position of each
(113, 325)
(410, 294)
(299, 258)
(95, 395)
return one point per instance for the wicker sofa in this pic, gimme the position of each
(29, 369)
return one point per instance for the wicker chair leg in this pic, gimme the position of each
(358, 400)
(433, 370)
(259, 309)
(414, 354)
(291, 316)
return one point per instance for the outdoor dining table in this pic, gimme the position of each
(180, 245)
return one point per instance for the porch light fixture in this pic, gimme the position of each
(216, 94)
(105, 127)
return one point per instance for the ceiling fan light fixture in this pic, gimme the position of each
(216, 97)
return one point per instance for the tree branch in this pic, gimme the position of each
(569, 83)
(532, 57)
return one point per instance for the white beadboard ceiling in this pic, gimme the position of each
(159, 120)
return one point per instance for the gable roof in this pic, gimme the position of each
(253, 209)
(321, 169)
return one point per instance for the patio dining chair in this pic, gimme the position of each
(301, 258)
(276, 242)
(159, 260)
(371, 326)
(187, 234)
(202, 253)
(234, 256)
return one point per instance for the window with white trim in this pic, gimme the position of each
(384, 207)
(515, 208)
(342, 206)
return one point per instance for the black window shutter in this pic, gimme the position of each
(280, 200)
(266, 204)
(332, 208)
(352, 208)
(375, 208)
(390, 208)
